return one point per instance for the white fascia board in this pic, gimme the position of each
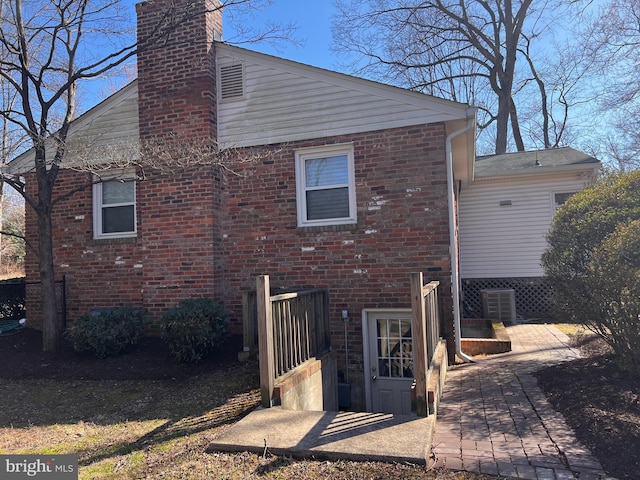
(588, 169)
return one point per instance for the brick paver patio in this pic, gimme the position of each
(494, 418)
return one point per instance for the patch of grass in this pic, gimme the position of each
(160, 430)
(573, 329)
(99, 471)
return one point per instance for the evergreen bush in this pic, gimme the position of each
(193, 328)
(107, 332)
(614, 274)
(591, 263)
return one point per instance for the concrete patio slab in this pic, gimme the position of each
(331, 435)
(493, 419)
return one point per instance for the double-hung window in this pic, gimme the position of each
(325, 185)
(114, 208)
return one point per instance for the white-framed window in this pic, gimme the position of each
(325, 185)
(114, 208)
(559, 198)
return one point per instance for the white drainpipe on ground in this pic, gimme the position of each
(455, 281)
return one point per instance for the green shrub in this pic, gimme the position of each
(592, 262)
(614, 280)
(109, 332)
(193, 328)
(579, 227)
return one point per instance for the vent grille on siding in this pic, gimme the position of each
(499, 304)
(231, 81)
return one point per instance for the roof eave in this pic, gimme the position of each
(541, 171)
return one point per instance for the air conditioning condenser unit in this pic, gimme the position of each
(499, 304)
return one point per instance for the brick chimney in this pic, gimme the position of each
(179, 217)
(176, 67)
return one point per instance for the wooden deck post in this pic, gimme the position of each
(265, 340)
(418, 330)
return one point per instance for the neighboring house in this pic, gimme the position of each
(504, 217)
(353, 190)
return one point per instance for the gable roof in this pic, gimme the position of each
(285, 101)
(536, 162)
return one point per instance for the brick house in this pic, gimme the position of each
(353, 189)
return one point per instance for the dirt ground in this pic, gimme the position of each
(599, 401)
(21, 357)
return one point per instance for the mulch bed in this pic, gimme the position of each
(21, 357)
(601, 403)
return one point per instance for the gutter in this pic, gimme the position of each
(455, 280)
(586, 168)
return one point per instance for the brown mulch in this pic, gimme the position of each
(602, 405)
(21, 357)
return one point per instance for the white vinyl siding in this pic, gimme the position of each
(110, 130)
(503, 226)
(286, 101)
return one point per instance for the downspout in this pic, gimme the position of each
(455, 281)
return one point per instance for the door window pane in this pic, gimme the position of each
(395, 348)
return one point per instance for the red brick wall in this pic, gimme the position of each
(204, 235)
(178, 224)
(402, 228)
(199, 235)
(176, 72)
(170, 259)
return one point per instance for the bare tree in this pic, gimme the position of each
(12, 249)
(47, 49)
(11, 220)
(473, 51)
(612, 42)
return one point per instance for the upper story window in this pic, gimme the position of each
(559, 198)
(114, 209)
(326, 191)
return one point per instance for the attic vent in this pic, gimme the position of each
(231, 81)
(499, 304)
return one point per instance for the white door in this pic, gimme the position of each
(390, 361)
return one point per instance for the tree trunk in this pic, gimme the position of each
(502, 124)
(50, 328)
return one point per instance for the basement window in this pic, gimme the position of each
(114, 209)
(325, 186)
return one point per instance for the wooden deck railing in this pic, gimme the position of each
(292, 328)
(426, 335)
